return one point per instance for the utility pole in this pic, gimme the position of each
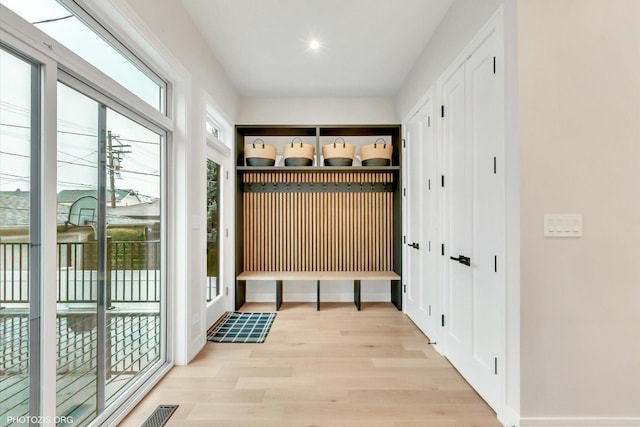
(112, 172)
(114, 157)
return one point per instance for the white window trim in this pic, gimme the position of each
(220, 151)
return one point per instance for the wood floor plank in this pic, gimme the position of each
(336, 367)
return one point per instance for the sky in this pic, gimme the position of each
(77, 125)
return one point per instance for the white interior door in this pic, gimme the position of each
(485, 124)
(413, 229)
(420, 281)
(474, 128)
(458, 328)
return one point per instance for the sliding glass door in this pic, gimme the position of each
(109, 287)
(109, 253)
(82, 160)
(19, 231)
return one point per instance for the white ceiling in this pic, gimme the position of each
(367, 46)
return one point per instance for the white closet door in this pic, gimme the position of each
(474, 333)
(420, 279)
(429, 306)
(414, 225)
(458, 317)
(485, 129)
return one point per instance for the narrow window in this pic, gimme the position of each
(213, 230)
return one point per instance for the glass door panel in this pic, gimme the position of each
(19, 138)
(133, 219)
(78, 256)
(213, 232)
(109, 250)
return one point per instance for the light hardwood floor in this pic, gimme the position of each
(335, 367)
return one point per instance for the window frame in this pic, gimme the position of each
(102, 29)
(58, 63)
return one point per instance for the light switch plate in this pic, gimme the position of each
(562, 225)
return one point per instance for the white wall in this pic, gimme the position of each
(316, 111)
(460, 24)
(579, 118)
(168, 21)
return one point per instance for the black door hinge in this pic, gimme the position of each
(429, 245)
(495, 263)
(404, 239)
(442, 320)
(404, 191)
(429, 184)
(495, 166)
(442, 180)
(442, 111)
(404, 142)
(494, 65)
(443, 249)
(404, 288)
(495, 366)
(428, 121)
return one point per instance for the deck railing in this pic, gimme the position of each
(133, 272)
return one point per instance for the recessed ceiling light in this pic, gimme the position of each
(314, 44)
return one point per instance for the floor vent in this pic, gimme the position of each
(160, 416)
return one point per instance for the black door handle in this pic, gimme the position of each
(414, 245)
(462, 259)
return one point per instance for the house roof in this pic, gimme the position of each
(70, 196)
(15, 205)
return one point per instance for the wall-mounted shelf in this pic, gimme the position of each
(318, 169)
(319, 219)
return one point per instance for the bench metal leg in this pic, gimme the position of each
(278, 294)
(356, 293)
(318, 297)
(241, 293)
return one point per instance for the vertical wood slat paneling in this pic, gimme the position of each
(318, 231)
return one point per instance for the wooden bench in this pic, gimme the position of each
(280, 276)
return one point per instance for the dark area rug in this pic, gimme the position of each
(241, 327)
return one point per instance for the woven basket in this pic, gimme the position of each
(377, 154)
(338, 153)
(298, 153)
(259, 154)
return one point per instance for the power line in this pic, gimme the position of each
(65, 163)
(59, 131)
(139, 173)
(14, 176)
(85, 134)
(15, 126)
(137, 140)
(74, 158)
(44, 21)
(15, 154)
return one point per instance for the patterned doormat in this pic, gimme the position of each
(241, 327)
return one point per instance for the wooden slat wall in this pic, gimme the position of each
(326, 231)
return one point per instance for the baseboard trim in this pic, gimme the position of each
(509, 417)
(579, 422)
